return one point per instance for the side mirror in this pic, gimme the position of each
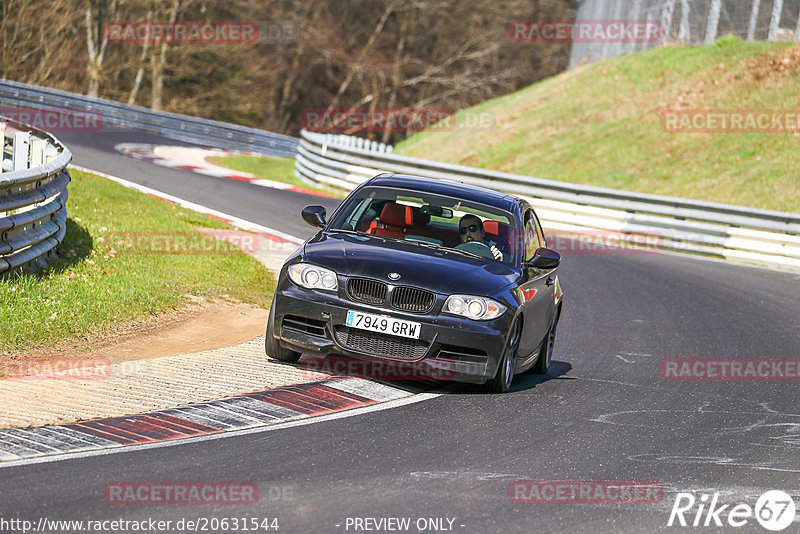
(314, 215)
(545, 259)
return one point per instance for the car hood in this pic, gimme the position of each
(438, 270)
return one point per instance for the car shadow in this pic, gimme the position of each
(521, 382)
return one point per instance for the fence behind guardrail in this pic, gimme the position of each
(33, 196)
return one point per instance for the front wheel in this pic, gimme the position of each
(271, 345)
(501, 382)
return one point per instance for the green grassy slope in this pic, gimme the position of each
(599, 124)
(103, 279)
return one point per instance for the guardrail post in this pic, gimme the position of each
(37, 152)
(50, 153)
(21, 150)
(2, 144)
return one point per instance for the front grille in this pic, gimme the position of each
(411, 299)
(377, 344)
(366, 291)
(404, 298)
(303, 324)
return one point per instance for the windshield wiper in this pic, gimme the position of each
(352, 232)
(465, 252)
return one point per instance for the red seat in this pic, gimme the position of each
(421, 226)
(497, 232)
(394, 221)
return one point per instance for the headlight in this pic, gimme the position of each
(478, 308)
(313, 277)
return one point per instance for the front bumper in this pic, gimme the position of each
(449, 347)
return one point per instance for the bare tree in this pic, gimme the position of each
(349, 54)
(159, 61)
(137, 82)
(97, 14)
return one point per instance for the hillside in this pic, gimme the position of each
(600, 124)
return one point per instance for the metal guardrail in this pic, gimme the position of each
(33, 195)
(722, 230)
(173, 125)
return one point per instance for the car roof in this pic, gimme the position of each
(468, 192)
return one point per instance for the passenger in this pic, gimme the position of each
(471, 228)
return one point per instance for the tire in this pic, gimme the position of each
(502, 380)
(542, 364)
(271, 345)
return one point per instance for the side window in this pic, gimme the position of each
(532, 241)
(540, 232)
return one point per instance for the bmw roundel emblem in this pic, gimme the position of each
(394, 276)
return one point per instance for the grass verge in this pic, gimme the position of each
(600, 124)
(99, 282)
(275, 169)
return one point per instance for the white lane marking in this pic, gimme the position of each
(364, 388)
(269, 183)
(623, 359)
(241, 223)
(234, 433)
(191, 156)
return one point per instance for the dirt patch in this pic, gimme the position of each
(198, 326)
(768, 64)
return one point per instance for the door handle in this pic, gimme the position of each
(549, 282)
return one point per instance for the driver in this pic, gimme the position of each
(471, 228)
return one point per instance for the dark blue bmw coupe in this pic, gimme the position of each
(448, 277)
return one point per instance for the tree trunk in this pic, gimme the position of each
(160, 62)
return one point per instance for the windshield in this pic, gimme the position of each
(432, 220)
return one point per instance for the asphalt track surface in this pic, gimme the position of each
(603, 412)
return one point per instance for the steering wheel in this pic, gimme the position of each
(477, 247)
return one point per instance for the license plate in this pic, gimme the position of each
(383, 324)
